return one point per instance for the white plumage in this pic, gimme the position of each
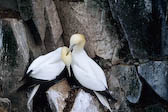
(45, 70)
(87, 72)
(47, 67)
(31, 96)
(103, 100)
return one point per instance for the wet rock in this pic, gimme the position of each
(38, 18)
(8, 4)
(25, 39)
(14, 58)
(155, 108)
(43, 22)
(25, 9)
(32, 13)
(146, 38)
(84, 102)
(57, 95)
(156, 75)
(127, 18)
(53, 26)
(1, 36)
(80, 17)
(21, 38)
(129, 82)
(5, 105)
(160, 25)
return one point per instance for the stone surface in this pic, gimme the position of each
(12, 65)
(8, 4)
(25, 39)
(5, 105)
(122, 77)
(84, 102)
(130, 82)
(57, 95)
(53, 26)
(92, 21)
(38, 17)
(25, 9)
(156, 75)
(159, 19)
(1, 36)
(155, 108)
(21, 38)
(135, 29)
(143, 25)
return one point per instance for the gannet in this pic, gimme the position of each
(87, 72)
(45, 71)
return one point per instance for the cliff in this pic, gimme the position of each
(128, 39)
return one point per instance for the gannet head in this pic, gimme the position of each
(77, 41)
(66, 57)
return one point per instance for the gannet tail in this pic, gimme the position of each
(103, 100)
(31, 97)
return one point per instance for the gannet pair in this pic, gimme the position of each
(50, 67)
(44, 72)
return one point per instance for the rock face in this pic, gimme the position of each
(128, 39)
(147, 37)
(156, 74)
(5, 105)
(14, 58)
(128, 80)
(57, 95)
(91, 21)
(84, 102)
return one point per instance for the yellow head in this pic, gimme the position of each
(66, 56)
(77, 41)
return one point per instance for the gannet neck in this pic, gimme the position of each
(66, 56)
(78, 50)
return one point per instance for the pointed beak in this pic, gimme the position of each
(69, 71)
(70, 48)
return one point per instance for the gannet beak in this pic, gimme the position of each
(69, 71)
(70, 48)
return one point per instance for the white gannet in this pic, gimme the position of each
(87, 72)
(44, 72)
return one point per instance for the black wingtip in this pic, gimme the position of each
(26, 75)
(108, 95)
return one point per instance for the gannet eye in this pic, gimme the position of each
(71, 47)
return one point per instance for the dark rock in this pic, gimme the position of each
(5, 105)
(7, 13)
(159, 24)
(12, 64)
(27, 13)
(155, 108)
(38, 17)
(92, 21)
(25, 9)
(156, 75)
(53, 26)
(9, 4)
(143, 24)
(25, 39)
(34, 31)
(128, 80)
